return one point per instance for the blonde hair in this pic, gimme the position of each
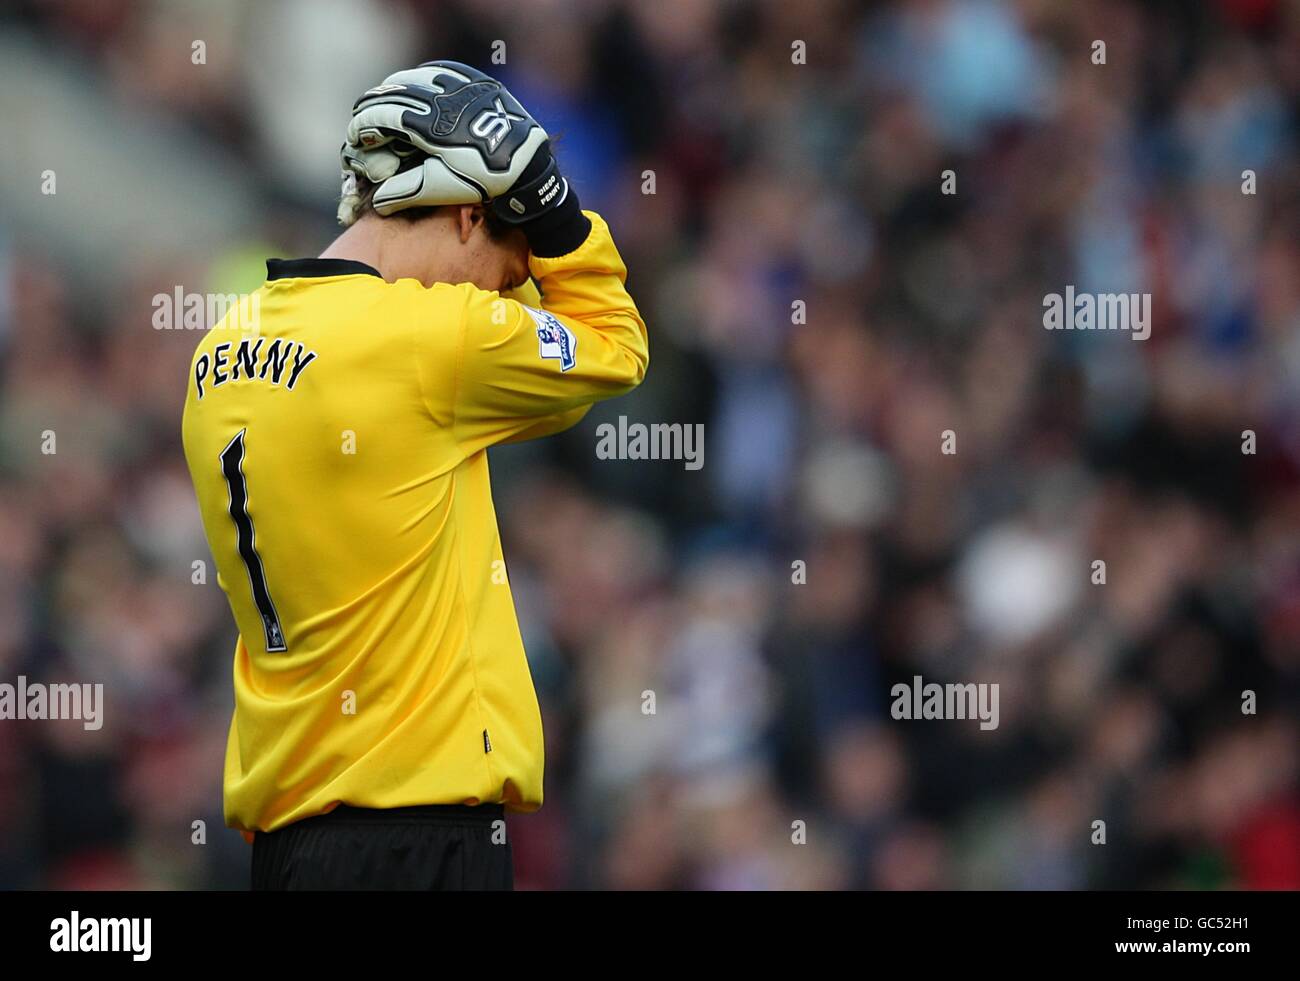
(353, 199)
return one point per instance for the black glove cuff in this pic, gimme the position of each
(560, 230)
(544, 207)
(536, 191)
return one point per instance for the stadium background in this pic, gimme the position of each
(774, 182)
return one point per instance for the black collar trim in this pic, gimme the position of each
(315, 268)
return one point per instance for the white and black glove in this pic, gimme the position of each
(445, 133)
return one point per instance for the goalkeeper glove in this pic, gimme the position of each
(445, 133)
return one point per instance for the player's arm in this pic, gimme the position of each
(519, 367)
(511, 368)
(529, 296)
(550, 425)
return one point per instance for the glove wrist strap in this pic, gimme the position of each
(546, 210)
(531, 199)
(559, 231)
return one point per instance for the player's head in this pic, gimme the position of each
(429, 155)
(458, 243)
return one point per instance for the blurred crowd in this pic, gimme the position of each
(819, 303)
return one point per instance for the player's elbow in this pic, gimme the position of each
(639, 353)
(636, 360)
(640, 364)
(624, 356)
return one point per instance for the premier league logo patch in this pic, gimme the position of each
(556, 341)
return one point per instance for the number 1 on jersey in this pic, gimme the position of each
(232, 467)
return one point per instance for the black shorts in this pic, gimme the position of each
(436, 846)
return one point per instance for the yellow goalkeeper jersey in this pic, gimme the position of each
(336, 429)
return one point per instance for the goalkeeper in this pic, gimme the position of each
(385, 717)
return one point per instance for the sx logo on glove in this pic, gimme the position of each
(493, 125)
